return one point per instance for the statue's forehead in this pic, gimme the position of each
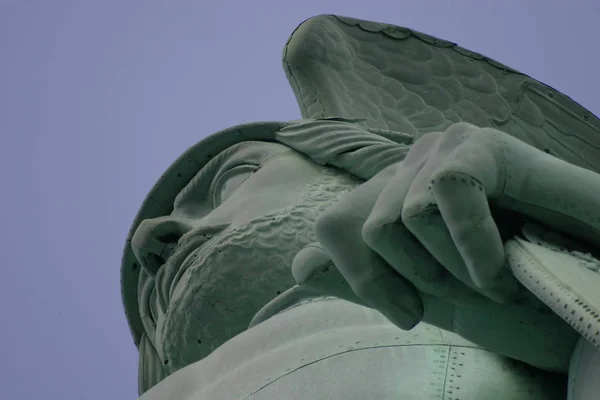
(195, 199)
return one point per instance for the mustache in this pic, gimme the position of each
(189, 245)
(226, 282)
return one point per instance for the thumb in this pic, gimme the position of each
(313, 270)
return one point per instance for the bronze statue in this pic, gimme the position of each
(426, 231)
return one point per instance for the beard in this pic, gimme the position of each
(233, 275)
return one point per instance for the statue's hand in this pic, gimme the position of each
(418, 241)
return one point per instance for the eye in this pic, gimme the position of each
(229, 181)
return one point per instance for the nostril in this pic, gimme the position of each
(154, 241)
(151, 263)
(169, 238)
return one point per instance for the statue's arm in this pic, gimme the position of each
(420, 237)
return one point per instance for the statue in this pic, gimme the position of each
(427, 231)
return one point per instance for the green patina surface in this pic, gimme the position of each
(415, 164)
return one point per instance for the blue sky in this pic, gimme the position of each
(98, 97)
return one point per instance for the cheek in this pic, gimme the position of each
(246, 205)
(219, 295)
(280, 183)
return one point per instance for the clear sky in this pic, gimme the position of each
(98, 97)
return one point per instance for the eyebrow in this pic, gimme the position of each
(195, 198)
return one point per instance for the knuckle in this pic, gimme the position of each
(448, 181)
(376, 231)
(329, 221)
(337, 225)
(417, 210)
(459, 129)
(448, 175)
(408, 212)
(372, 231)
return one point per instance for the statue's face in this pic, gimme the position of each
(234, 256)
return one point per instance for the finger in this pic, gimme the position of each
(407, 255)
(552, 191)
(313, 269)
(383, 230)
(465, 210)
(489, 165)
(385, 233)
(431, 230)
(339, 230)
(422, 216)
(470, 172)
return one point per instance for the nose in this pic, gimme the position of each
(154, 241)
